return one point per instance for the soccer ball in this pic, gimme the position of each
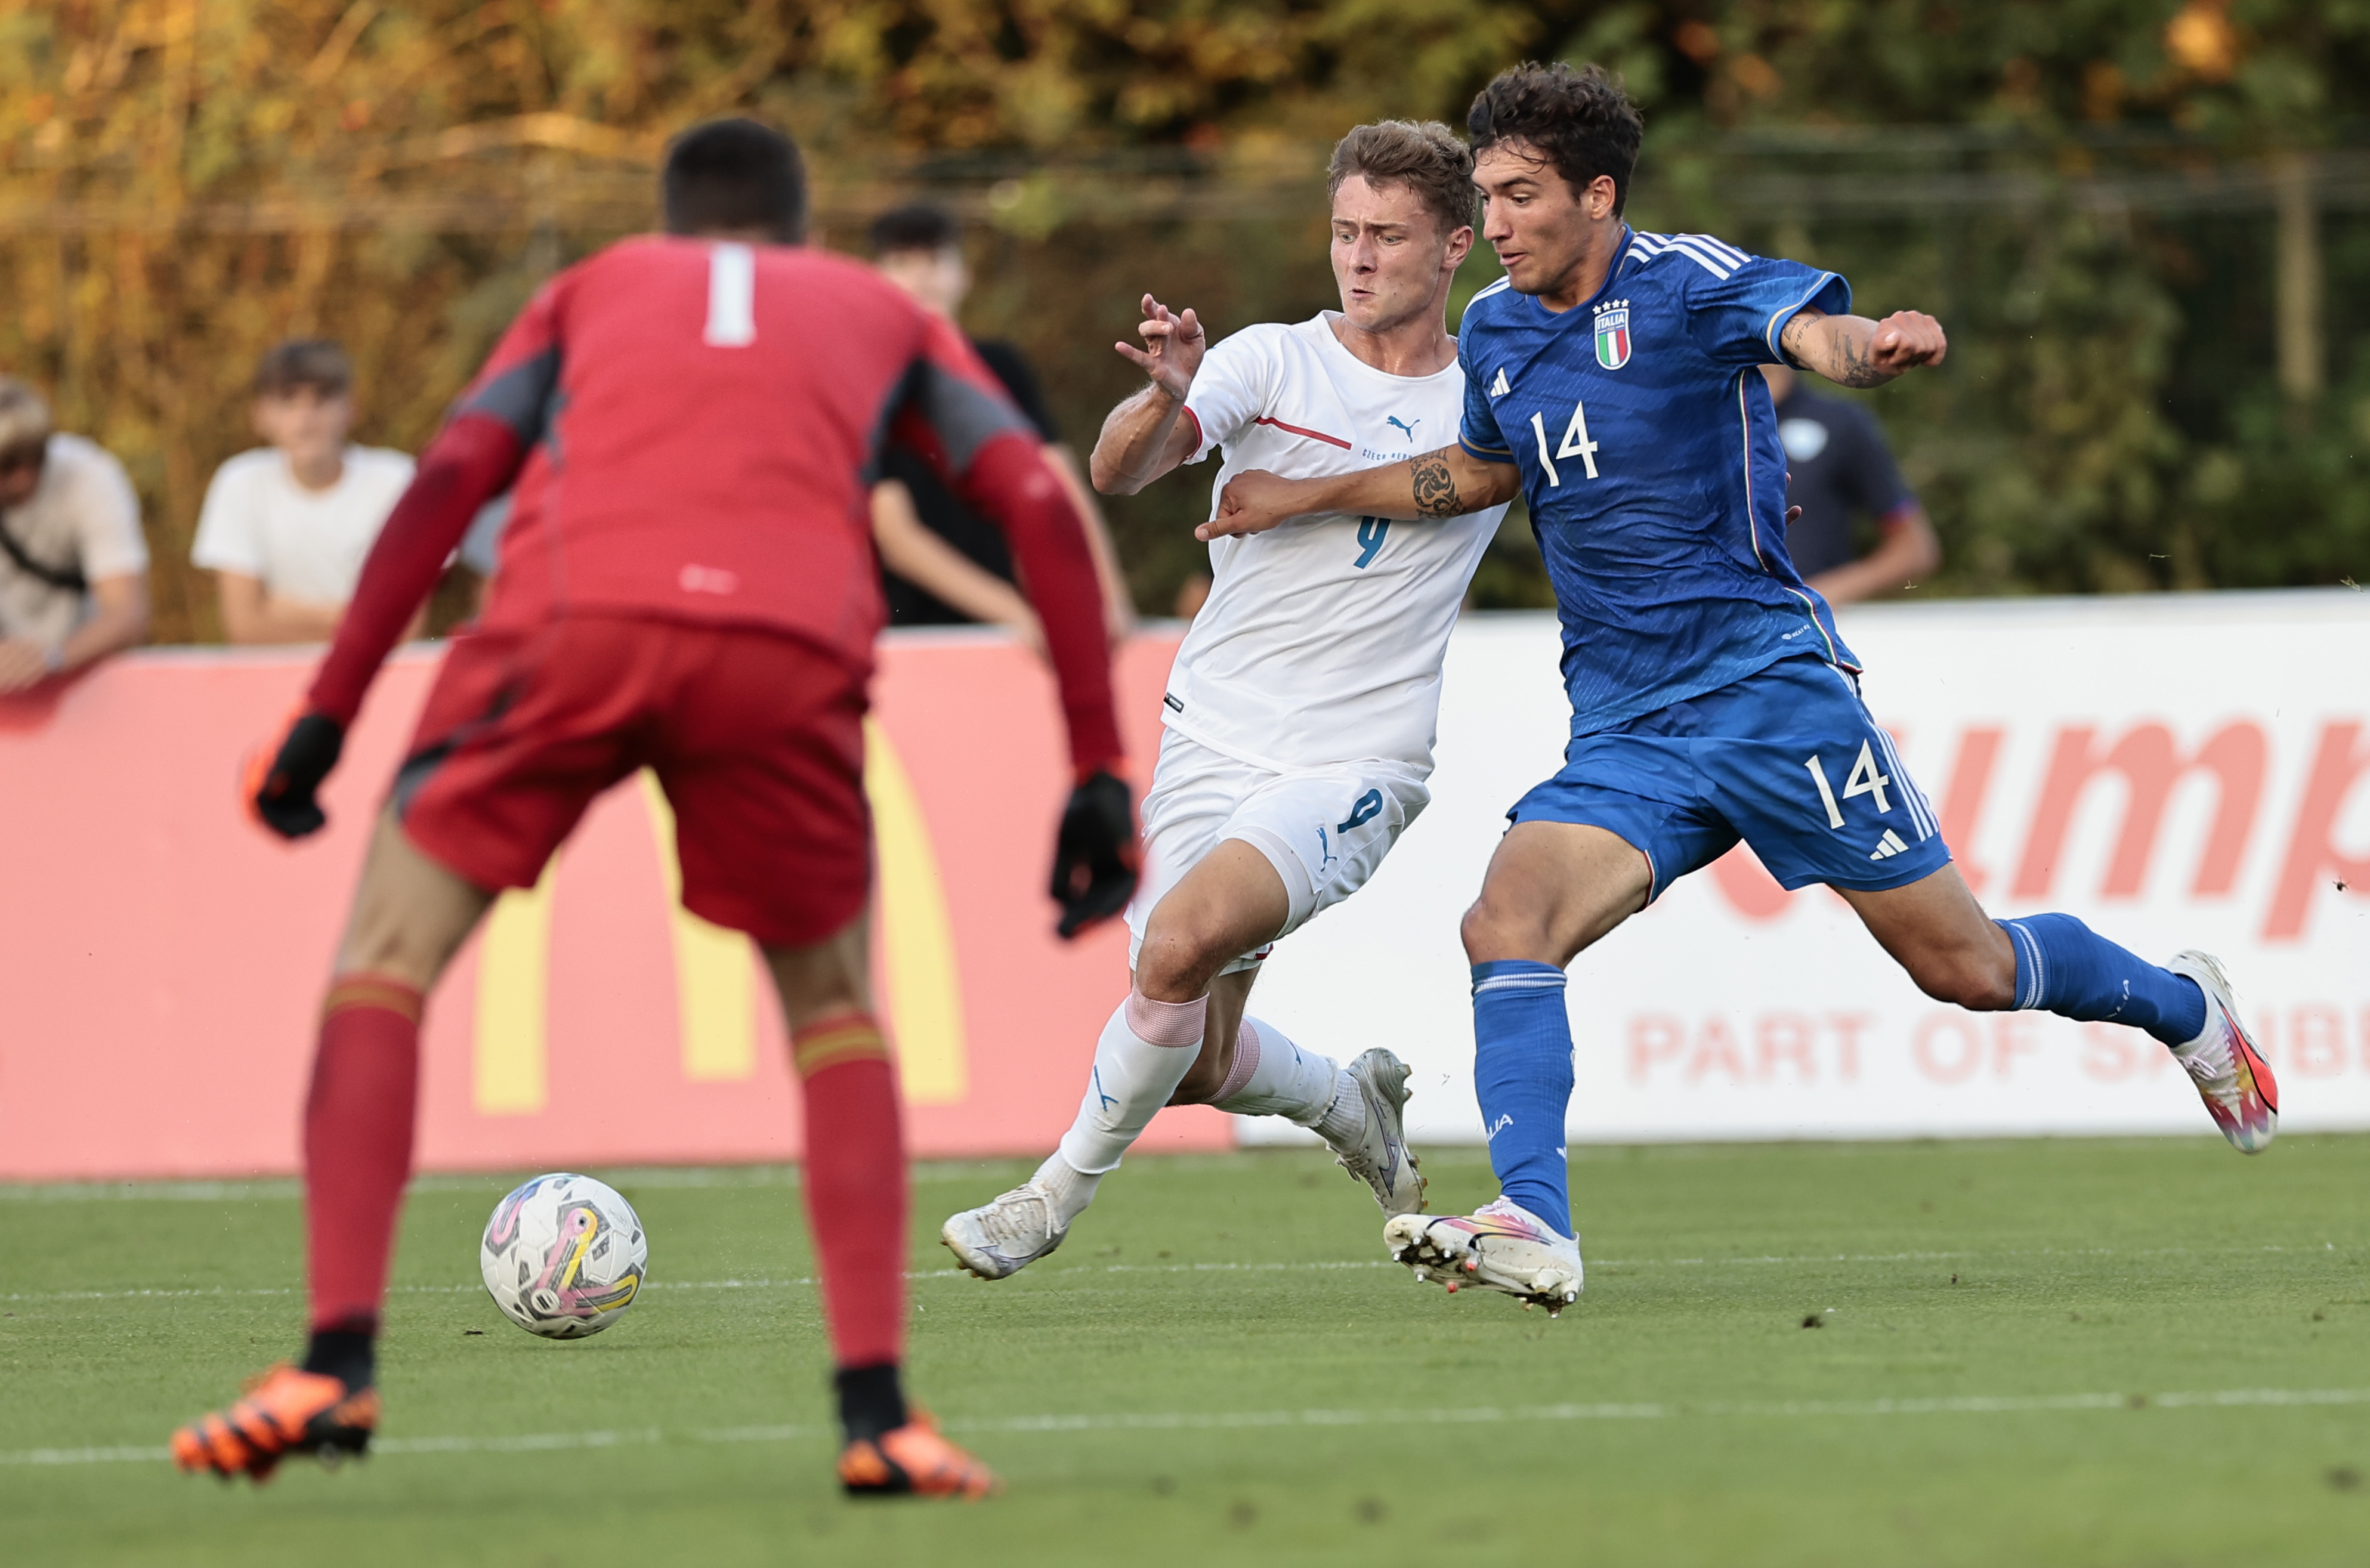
(564, 1256)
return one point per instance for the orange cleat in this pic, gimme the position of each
(286, 1411)
(913, 1461)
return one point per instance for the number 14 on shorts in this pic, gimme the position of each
(1865, 779)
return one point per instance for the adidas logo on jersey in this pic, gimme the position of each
(1887, 846)
(1498, 388)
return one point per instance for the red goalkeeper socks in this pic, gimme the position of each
(357, 1124)
(856, 1185)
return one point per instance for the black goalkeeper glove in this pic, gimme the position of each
(282, 783)
(1095, 856)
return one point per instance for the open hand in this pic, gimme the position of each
(1173, 346)
(1252, 502)
(1906, 339)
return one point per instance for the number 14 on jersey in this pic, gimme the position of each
(1575, 444)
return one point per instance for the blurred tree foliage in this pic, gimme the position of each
(2081, 190)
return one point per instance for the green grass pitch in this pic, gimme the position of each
(2145, 1351)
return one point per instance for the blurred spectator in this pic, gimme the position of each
(285, 527)
(73, 570)
(944, 563)
(1842, 475)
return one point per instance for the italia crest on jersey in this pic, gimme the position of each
(1612, 335)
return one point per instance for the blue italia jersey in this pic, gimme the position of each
(1651, 465)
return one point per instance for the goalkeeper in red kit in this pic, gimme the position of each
(689, 423)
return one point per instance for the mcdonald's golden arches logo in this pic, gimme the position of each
(716, 970)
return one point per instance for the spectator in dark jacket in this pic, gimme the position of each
(1862, 532)
(944, 565)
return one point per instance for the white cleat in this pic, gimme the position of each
(2231, 1076)
(1380, 1157)
(1000, 1238)
(1502, 1246)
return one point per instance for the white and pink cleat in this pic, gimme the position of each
(1500, 1246)
(2231, 1076)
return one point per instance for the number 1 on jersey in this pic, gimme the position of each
(1575, 444)
(731, 297)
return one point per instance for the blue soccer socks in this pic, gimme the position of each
(2064, 966)
(1522, 1074)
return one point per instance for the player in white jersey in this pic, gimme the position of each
(1302, 705)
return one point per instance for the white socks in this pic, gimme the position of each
(1071, 1190)
(1145, 1051)
(1344, 1121)
(1273, 1077)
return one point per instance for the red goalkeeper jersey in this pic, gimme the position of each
(691, 430)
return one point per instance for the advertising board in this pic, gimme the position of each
(2180, 771)
(2186, 771)
(162, 958)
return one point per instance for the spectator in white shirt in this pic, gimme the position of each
(285, 527)
(73, 570)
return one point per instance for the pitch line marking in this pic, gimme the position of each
(1187, 1420)
(1310, 1266)
(252, 1189)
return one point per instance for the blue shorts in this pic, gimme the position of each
(1787, 759)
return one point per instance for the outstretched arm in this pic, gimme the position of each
(1143, 437)
(1852, 351)
(473, 459)
(1447, 483)
(1119, 599)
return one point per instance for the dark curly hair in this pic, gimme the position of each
(1580, 120)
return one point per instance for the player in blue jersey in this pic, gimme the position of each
(1612, 380)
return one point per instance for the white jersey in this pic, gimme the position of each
(305, 545)
(1322, 639)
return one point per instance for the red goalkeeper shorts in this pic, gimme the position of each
(756, 737)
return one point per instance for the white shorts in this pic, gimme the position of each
(1323, 829)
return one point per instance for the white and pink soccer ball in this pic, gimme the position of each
(563, 1255)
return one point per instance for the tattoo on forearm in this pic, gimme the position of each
(1853, 366)
(1846, 359)
(1435, 486)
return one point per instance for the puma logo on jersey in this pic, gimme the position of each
(1395, 421)
(1498, 388)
